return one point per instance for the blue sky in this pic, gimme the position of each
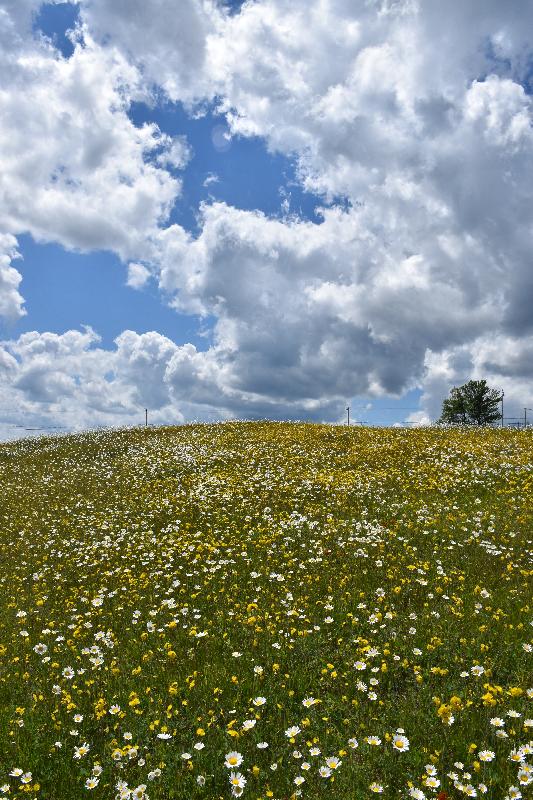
(247, 175)
(413, 276)
(64, 290)
(54, 21)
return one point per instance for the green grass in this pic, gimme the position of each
(181, 573)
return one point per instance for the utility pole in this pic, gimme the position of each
(503, 393)
(348, 411)
(146, 417)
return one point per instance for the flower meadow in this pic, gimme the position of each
(267, 610)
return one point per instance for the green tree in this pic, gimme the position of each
(471, 404)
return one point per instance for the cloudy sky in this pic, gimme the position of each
(262, 209)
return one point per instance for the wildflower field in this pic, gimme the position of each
(267, 610)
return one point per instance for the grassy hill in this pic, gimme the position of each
(346, 611)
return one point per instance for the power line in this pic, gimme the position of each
(37, 428)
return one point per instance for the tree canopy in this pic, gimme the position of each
(474, 403)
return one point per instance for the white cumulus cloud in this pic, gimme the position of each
(411, 121)
(11, 301)
(73, 167)
(138, 275)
